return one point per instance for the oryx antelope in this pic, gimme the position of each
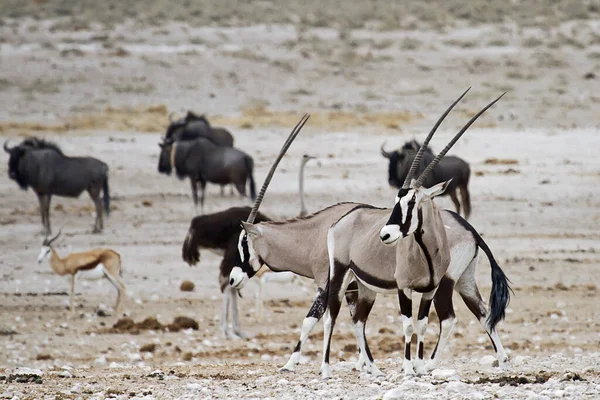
(305, 158)
(193, 126)
(219, 233)
(423, 255)
(450, 168)
(93, 264)
(43, 166)
(203, 161)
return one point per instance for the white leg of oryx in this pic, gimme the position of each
(337, 287)
(227, 294)
(364, 305)
(405, 300)
(422, 320)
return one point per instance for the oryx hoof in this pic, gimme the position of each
(420, 367)
(407, 366)
(326, 372)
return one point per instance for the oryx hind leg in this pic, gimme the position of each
(445, 311)
(468, 290)
(364, 305)
(421, 328)
(405, 300)
(339, 280)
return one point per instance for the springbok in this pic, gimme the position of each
(94, 264)
(305, 158)
(421, 257)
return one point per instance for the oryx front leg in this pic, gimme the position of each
(314, 315)
(405, 300)
(422, 320)
(338, 282)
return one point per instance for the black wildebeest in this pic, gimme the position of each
(450, 167)
(43, 166)
(193, 126)
(219, 233)
(203, 161)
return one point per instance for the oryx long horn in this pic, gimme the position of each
(417, 159)
(284, 148)
(383, 152)
(442, 153)
(6, 148)
(55, 237)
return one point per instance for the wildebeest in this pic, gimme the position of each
(43, 166)
(450, 167)
(219, 233)
(193, 126)
(203, 161)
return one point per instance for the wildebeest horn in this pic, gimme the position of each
(442, 153)
(171, 116)
(284, 148)
(417, 159)
(6, 148)
(54, 238)
(383, 152)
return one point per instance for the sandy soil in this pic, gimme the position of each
(106, 90)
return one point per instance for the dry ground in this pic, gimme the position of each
(106, 90)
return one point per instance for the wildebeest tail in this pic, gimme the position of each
(250, 167)
(106, 196)
(189, 251)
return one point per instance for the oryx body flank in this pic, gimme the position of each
(42, 166)
(92, 265)
(449, 168)
(421, 252)
(203, 161)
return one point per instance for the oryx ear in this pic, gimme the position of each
(436, 190)
(251, 229)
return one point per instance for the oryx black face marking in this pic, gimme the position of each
(243, 259)
(402, 215)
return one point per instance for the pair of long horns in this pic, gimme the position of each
(409, 181)
(282, 152)
(49, 242)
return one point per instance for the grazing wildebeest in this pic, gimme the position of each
(43, 166)
(193, 126)
(450, 167)
(219, 233)
(203, 161)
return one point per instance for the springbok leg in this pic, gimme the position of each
(235, 317)
(445, 311)
(227, 294)
(405, 300)
(194, 186)
(422, 320)
(338, 282)
(72, 302)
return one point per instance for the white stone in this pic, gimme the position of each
(487, 360)
(65, 374)
(27, 371)
(100, 360)
(519, 360)
(449, 374)
(456, 386)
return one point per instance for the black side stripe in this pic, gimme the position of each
(419, 240)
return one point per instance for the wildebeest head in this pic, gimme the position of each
(165, 160)
(400, 161)
(18, 152)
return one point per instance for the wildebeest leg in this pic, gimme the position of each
(422, 320)
(202, 191)
(338, 283)
(405, 300)
(43, 200)
(222, 190)
(468, 290)
(454, 198)
(445, 311)
(466, 200)
(194, 185)
(95, 195)
(366, 299)
(241, 188)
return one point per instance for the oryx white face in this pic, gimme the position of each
(406, 218)
(247, 263)
(44, 251)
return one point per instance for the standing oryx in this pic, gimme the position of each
(305, 158)
(43, 166)
(422, 259)
(450, 168)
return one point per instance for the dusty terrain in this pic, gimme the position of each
(97, 82)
